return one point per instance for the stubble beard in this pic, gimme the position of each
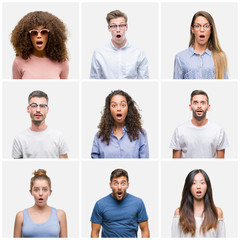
(199, 118)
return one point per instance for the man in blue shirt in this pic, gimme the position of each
(119, 213)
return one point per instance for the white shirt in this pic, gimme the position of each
(199, 142)
(212, 233)
(112, 63)
(44, 144)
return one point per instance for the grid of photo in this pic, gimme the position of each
(119, 119)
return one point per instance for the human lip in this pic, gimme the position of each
(119, 116)
(119, 194)
(40, 200)
(39, 43)
(118, 36)
(199, 193)
(38, 115)
(202, 37)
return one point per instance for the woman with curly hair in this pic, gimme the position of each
(197, 215)
(39, 40)
(40, 220)
(204, 59)
(120, 130)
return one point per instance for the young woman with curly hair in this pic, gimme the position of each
(120, 130)
(204, 59)
(40, 220)
(197, 215)
(39, 40)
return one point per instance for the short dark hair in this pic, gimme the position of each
(38, 94)
(116, 14)
(198, 92)
(119, 173)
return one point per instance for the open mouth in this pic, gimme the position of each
(37, 115)
(39, 43)
(202, 37)
(198, 193)
(40, 199)
(118, 36)
(119, 194)
(119, 116)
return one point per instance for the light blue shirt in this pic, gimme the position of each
(121, 148)
(190, 65)
(112, 63)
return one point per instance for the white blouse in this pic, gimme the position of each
(212, 233)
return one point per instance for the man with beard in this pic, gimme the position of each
(119, 213)
(39, 141)
(118, 58)
(199, 138)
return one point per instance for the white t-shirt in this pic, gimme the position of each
(45, 144)
(199, 142)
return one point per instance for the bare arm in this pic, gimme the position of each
(64, 155)
(177, 153)
(144, 229)
(63, 223)
(18, 225)
(95, 230)
(220, 153)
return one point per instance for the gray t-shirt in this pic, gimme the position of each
(45, 144)
(199, 142)
(176, 230)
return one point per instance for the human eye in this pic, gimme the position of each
(114, 105)
(33, 105)
(123, 184)
(195, 102)
(197, 26)
(45, 189)
(122, 25)
(115, 184)
(123, 104)
(35, 189)
(113, 27)
(206, 26)
(42, 105)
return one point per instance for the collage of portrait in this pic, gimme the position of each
(119, 119)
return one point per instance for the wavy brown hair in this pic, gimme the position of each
(219, 57)
(186, 210)
(132, 122)
(55, 49)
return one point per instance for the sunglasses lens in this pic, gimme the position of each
(34, 33)
(44, 32)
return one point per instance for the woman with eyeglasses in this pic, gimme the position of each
(204, 59)
(197, 215)
(40, 220)
(39, 40)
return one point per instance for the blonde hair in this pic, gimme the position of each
(219, 57)
(40, 174)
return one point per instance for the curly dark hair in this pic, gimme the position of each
(133, 121)
(55, 49)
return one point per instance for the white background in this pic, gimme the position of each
(65, 190)
(62, 115)
(175, 97)
(94, 93)
(142, 30)
(143, 183)
(224, 180)
(67, 12)
(176, 20)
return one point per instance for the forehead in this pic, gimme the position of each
(201, 19)
(118, 98)
(198, 177)
(120, 179)
(41, 100)
(118, 20)
(40, 183)
(199, 98)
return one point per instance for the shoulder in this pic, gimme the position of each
(19, 216)
(65, 63)
(220, 212)
(19, 60)
(143, 133)
(184, 125)
(182, 53)
(54, 132)
(177, 212)
(22, 134)
(61, 214)
(137, 200)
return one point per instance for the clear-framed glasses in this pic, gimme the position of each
(206, 27)
(35, 32)
(121, 26)
(35, 105)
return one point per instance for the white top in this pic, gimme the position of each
(111, 63)
(45, 144)
(199, 142)
(219, 232)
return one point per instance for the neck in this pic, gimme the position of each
(199, 48)
(40, 54)
(199, 122)
(118, 46)
(38, 127)
(118, 126)
(40, 208)
(198, 206)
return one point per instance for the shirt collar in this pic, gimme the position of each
(124, 130)
(125, 46)
(191, 51)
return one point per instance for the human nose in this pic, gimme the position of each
(202, 28)
(38, 108)
(40, 192)
(119, 186)
(118, 107)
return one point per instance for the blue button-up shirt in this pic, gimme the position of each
(190, 65)
(127, 62)
(121, 148)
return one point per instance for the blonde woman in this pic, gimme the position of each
(204, 59)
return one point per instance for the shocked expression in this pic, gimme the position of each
(119, 187)
(119, 108)
(199, 187)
